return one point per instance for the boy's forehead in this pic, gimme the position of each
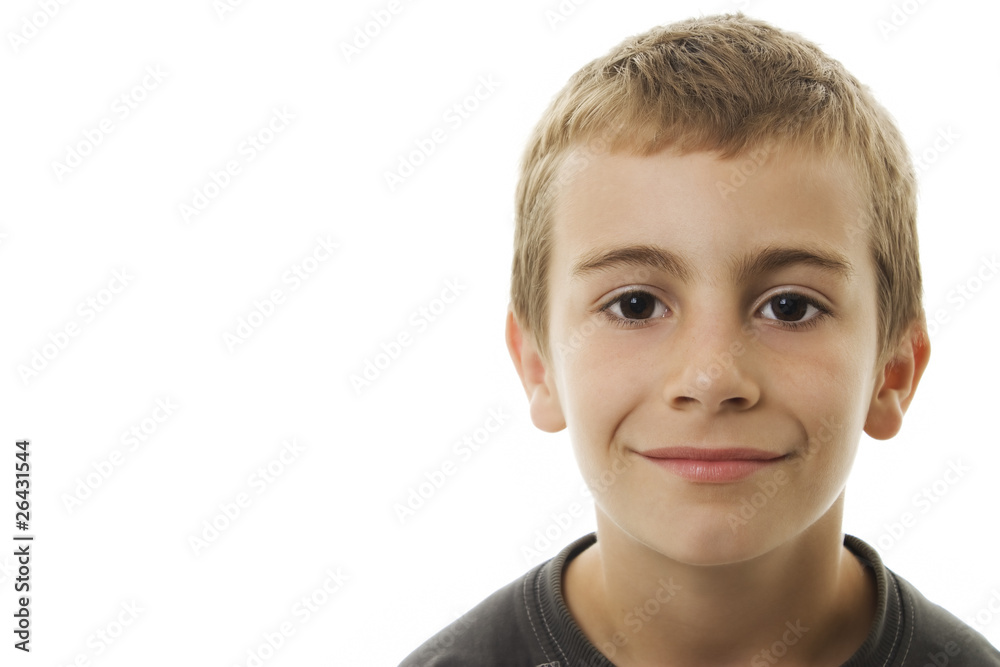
(785, 197)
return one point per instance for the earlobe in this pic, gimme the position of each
(546, 411)
(899, 379)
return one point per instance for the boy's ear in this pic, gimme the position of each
(899, 378)
(546, 412)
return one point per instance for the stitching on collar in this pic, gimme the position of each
(527, 609)
(913, 624)
(899, 615)
(547, 628)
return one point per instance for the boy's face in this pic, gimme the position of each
(712, 361)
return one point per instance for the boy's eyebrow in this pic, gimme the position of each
(741, 269)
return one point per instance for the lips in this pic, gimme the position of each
(714, 466)
(701, 454)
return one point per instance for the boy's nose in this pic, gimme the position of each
(709, 364)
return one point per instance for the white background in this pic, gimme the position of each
(332, 507)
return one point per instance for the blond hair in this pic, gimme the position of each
(731, 85)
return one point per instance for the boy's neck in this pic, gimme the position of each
(811, 600)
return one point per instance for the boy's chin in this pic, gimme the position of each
(708, 542)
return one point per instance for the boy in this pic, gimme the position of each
(715, 288)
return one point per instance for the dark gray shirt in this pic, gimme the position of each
(527, 624)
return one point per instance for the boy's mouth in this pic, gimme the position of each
(717, 466)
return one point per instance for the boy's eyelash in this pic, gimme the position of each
(627, 323)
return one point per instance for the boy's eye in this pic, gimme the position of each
(631, 308)
(790, 308)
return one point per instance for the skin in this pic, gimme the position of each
(710, 365)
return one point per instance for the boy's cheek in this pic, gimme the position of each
(821, 469)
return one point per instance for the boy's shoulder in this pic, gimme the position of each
(527, 624)
(909, 629)
(524, 623)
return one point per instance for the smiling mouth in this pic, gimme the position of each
(717, 466)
